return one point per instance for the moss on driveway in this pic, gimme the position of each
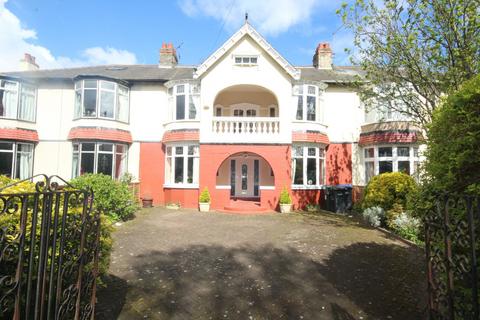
(190, 265)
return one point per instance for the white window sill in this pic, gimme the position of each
(267, 187)
(222, 187)
(307, 187)
(180, 186)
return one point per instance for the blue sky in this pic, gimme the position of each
(88, 32)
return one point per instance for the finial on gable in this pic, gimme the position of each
(246, 17)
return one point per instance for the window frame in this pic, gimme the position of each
(170, 176)
(14, 151)
(301, 90)
(79, 151)
(18, 93)
(190, 94)
(413, 158)
(243, 57)
(320, 169)
(116, 112)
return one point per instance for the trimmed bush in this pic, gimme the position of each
(388, 189)
(204, 196)
(407, 227)
(113, 198)
(285, 197)
(374, 216)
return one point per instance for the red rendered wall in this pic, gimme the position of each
(339, 164)
(188, 198)
(300, 198)
(212, 156)
(152, 171)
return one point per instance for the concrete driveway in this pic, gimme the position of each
(190, 265)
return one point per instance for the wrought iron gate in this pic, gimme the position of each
(49, 246)
(452, 248)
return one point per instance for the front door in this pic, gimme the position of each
(245, 177)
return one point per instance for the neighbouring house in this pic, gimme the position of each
(244, 123)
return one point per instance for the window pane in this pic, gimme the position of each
(403, 151)
(312, 151)
(385, 152)
(78, 104)
(107, 85)
(272, 112)
(178, 150)
(404, 166)
(87, 163)
(120, 164)
(169, 151)
(238, 60)
(180, 107)
(311, 107)
(90, 103)
(75, 164)
(299, 108)
(105, 147)
(179, 170)
(415, 152)
(120, 148)
(6, 163)
(105, 163)
(369, 153)
(321, 152)
(24, 161)
(9, 98)
(253, 60)
(88, 146)
(92, 84)
(385, 166)
(369, 170)
(191, 150)
(192, 107)
(245, 60)
(297, 151)
(6, 146)
(311, 90)
(27, 103)
(107, 100)
(311, 171)
(122, 104)
(181, 88)
(298, 171)
(168, 170)
(190, 170)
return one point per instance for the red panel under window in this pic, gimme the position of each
(314, 137)
(183, 135)
(389, 137)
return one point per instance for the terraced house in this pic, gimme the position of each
(244, 123)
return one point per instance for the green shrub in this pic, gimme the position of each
(204, 196)
(285, 196)
(406, 226)
(388, 189)
(374, 216)
(113, 198)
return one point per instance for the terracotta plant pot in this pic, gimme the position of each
(147, 202)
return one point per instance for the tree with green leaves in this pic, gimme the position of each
(413, 52)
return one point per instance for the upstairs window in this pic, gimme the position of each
(101, 99)
(246, 60)
(306, 102)
(184, 100)
(17, 100)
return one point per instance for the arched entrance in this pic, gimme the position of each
(245, 174)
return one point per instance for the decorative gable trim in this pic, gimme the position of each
(247, 29)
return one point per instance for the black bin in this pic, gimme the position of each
(338, 198)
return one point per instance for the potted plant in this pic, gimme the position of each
(147, 201)
(204, 200)
(285, 201)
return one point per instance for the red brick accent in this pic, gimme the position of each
(184, 135)
(96, 133)
(389, 137)
(339, 164)
(315, 137)
(18, 134)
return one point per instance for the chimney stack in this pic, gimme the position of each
(168, 55)
(323, 58)
(28, 63)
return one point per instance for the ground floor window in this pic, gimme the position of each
(381, 159)
(308, 165)
(182, 164)
(16, 159)
(99, 157)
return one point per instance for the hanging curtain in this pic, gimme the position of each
(27, 103)
(10, 98)
(24, 160)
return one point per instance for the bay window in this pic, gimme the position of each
(99, 157)
(308, 165)
(101, 99)
(182, 165)
(306, 102)
(381, 159)
(16, 159)
(17, 100)
(184, 100)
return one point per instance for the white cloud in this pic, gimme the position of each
(15, 40)
(270, 16)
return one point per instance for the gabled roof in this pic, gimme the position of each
(247, 29)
